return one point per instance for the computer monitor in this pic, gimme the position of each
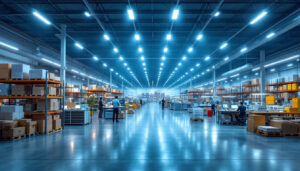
(234, 106)
(225, 106)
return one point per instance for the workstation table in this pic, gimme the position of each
(108, 112)
(222, 119)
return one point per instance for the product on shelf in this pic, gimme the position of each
(10, 130)
(40, 91)
(20, 71)
(40, 119)
(286, 127)
(52, 105)
(20, 90)
(56, 122)
(5, 71)
(37, 74)
(30, 126)
(4, 89)
(11, 112)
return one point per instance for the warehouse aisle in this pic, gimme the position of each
(151, 139)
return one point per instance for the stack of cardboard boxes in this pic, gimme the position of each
(286, 127)
(37, 74)
(20, 71)
(52, 105)
(20, 90)
(254, 121)
(11, 130)
(53, 123)
(40, 91)
(30, 126)
(11, 112)
(5, 71)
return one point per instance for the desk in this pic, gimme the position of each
(108, 112)
(231, 113)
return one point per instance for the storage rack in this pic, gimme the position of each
(277, 91)
(45, 82)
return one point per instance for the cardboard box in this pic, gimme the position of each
(287, 128)
(255, 81)
(40, 91)
(5, 71)
(296, 103)
(13, 132)
(8, 124)
(30, 126)
(51, 76)
(254, 121)
(4, 89)
(39, 74)
(52, 105)
(20, 71)
(20, 90)
(11, 112)
(55, 117)
(56, 124)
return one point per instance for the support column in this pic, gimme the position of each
(110, 80)
(63, 65)
(214, 82)
(262, 56)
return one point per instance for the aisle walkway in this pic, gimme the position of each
(152, 139)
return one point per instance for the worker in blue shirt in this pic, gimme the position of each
(241, 117)
(101, 107)
(213, 105)
(116, 104)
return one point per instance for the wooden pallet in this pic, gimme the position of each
(291, 135)
(54, 131)
(30, 135)
(13, 138)
(269, 134)
(197, 119)
(20, 79)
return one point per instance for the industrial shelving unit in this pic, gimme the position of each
(45, 82)
(277, 90)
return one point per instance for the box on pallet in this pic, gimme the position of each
(286, 127)
(4, 89)
(13, 133)
(5, 71)
(29, 107)
(20, 90)
(41, 123)
(40, 91)
(56, 124)
(20, 71)
(30, 126)
(39, 74)
(52, 105)
(254, 121)
(11, 112)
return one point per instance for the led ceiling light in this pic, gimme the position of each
(79, 46)
(190, 49)
(226, 58)
(95, 58)
(270, 35)
(130, 14)
(121, 58)
(289, 65)
(144, 64)
(140, 49)
(176, 69)
(224, 45)
(207, 70)
(87, 14)
(184, 58)
(217, 14)
(125, 64)
(192, 69)
(199, 37)
(163, 58)
(165, 49)
(255, 69)
(111, 69)
(128, 69)
(169, 36)
(106, 37)
(137, 37)
(116, 50)
(259, 17)
(51, 62)
(179, 64)
(104, 64)
(281, 61)
(236, 75)
(175, 14)
(142, 58)
(207, 58)
(244, 49)
(9, 46)
(162, 64)
(39, 16)
(272, 70)
(197, 65)
(145, 69)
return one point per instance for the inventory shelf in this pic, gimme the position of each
(31, 97)
(30, 82)
(254, 85)
(283, 83)
(43, 113)
(96, 91)
(285, 91)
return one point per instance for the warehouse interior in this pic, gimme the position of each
(149, 85)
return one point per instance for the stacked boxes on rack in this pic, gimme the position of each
(11, 130)
(52, 105)
(37, 74)
(30, 126)
(56, 122)
(5, 71)
(41, 124)
(40, 91)
(4, 89)
(20, 90)
(20, 71)
(11, 112)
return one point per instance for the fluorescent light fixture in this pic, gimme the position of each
(175, 14)
(79, 46)
(145, 69)
(140, 49)
(104, 64)
(142, 58)
(281, 61)
(179, 64)
(259, 17)
(130, 14)
(121, 58)
(224, 45)
(222, 79)
(270, 35)
(165, 49)
(176, 69)
(51, 62)
(111, 69)
(87, 14)
(125, 64)
(162, 64)
(207, 70)
(236, 75)
(207, 58)
(106, 37)
(186, 73)
(117, 73)
(160, 68)
(95, 58)
(39, 16)
(137, 37)
(272, 70)
(190, 49)
(144, 64)
(192, 69)
(202, 73)
(169, 36)
(256, 73)
(197, 65)
(184, 58)
(163, 58)
(255, 69)
(75, 71)
(128, 69)
(199, 37)
(9, 46)
(217, 14)
(116, 50)
(226, 58)
(289, 65)
(243, 49)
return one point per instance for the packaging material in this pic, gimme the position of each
(255, 81)
(41, 126)
(51, 76)
(29, 107)
(286, 127)
(56, 78)
(52, 105)
(254, 121)
(20, 90)
(5, 71)
(11, 112)
(56, 124)
(4, 89)
(297, 124)
(268, 129)
(92, 87)
(40, 90)
(20, 71)
(13, 133)
(30, 126)
(130, 111)
(37, 74)
(8, 124)
(55, 117)
(296, 102)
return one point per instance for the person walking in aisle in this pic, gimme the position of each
(213, 105)
(116, 104)
(101, 107)
(163, 103)
(241, 117)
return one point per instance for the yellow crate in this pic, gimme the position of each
(270, 98)
(294, 86)
(296, 102)
(287, 109)
(289, 87)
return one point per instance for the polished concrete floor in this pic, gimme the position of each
(152, 139)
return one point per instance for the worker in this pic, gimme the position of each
(116, 104)
(141, 102)
(163, 103)
(213, 105)
(241, 116)
(101, 107)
